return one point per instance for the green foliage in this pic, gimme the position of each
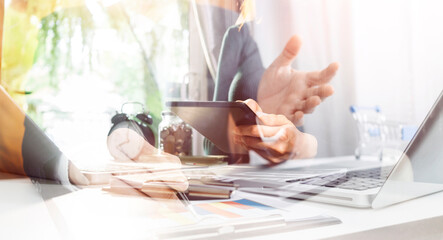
(116, 44)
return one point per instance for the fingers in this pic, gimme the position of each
(259, 131)
(311, 103)
(270, 125)
(264, 118)
(158, 190)
(272, 119)
(324, 76)
(306, 106)
(174, 179)
(165, 187)
(279, 140)
(297, 118)
(289, 52)
(322, 91)
(268, 119)
(158, 163)
(75, 176)
(253, 105)
(273, 160)
(277, 147)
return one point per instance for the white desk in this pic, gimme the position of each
(421, 218)
(23, 213)
(92, 213)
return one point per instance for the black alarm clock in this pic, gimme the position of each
(130, 131)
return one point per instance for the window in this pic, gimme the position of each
(72, 64)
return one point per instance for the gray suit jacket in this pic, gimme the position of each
(239, 73)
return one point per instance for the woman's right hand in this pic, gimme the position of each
(275, 137)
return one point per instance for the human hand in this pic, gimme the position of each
(275, 138)
(126, 145)
(293, 93)
(156, 187)
(166, 169)
(75, 176)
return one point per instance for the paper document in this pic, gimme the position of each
(247, 215)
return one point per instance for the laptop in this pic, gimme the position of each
(365, 184)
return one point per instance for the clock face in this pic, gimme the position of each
(125, 144)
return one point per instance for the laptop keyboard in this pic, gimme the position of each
(353, 180)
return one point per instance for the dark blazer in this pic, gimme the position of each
(240, 70)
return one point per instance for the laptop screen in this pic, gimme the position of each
(425, 151)
(419, 170)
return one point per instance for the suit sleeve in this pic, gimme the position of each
(12, 131)
(24, 148)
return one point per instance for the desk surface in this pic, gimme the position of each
(409, 220)
(92, 213)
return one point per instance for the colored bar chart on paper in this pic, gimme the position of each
(232, 209)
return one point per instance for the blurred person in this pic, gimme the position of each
(280, 90)
(26, 150)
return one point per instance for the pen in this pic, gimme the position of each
(185, 200)
(181, 195)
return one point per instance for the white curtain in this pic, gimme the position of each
(390, 54)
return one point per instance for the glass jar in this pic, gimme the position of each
(175, 136)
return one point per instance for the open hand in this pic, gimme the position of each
(284, 90)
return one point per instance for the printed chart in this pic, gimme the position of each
(242, 208)
(232, 209)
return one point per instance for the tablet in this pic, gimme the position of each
(214, 119)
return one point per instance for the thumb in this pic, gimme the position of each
(290, 52)
(253, 105)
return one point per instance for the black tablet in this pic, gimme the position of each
(213, 119)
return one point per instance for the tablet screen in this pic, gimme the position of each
(215, 120)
